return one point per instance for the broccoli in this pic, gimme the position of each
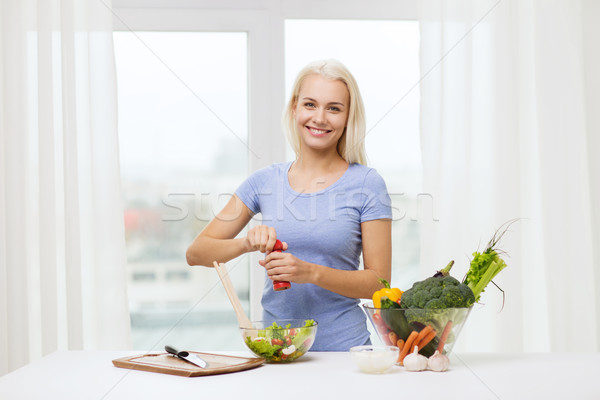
(436, 293)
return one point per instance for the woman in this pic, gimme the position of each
(326, 207)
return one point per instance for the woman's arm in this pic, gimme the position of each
(217, 240)
(377, 257)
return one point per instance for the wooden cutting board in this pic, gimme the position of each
(165, 363)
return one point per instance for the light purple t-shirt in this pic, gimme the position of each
(323, 228)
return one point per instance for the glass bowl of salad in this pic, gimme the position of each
(435, 329)
(282, 341)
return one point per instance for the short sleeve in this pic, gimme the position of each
(377, 203)
(250, 189)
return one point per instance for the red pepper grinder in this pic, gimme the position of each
(280, 285)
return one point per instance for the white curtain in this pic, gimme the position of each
(510, 97)
(62, 246)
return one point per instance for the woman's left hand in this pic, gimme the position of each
(286, 267)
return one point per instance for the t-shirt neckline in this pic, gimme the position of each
(332, 186)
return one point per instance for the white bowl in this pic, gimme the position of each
(374, 359)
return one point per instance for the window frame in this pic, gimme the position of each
(264, 23)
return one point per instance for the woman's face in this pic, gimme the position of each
(321, 112)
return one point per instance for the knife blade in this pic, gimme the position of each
(187, 356)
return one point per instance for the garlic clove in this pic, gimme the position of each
(438, 362)
(415, 361)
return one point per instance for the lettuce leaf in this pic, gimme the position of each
(302, 334)
(263, 347)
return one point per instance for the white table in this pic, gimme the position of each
(84, 375)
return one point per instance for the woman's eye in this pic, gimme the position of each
(333, 108)
(309, 105)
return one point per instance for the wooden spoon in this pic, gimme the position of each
(243, 319)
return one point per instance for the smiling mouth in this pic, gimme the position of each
(318, 132)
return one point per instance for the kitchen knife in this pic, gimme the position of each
(187, 356)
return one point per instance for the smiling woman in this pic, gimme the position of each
(321, 111)
(324, 230)
(325, 99)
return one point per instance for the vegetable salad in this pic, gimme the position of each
(282, 344)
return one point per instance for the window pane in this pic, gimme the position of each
(182, 128)
(384, 58)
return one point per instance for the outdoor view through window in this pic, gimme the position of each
(182, 120)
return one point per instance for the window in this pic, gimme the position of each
(182, 121)
(201, 90)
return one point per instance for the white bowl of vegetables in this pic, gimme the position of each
(281, 341)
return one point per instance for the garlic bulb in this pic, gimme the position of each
(415, 361)
(438, 362)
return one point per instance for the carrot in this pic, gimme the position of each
(424, 332)
(386, 339)
(393, 337)
(407, 345)
(425, 341)
(400, 344)
(444, 337)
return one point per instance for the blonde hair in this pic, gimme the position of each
(351, 146)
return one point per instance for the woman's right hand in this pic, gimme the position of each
(262, 238)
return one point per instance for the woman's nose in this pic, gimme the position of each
(319, 116)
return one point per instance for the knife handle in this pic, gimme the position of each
(175, 352)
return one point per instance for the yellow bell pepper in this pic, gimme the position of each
(394, 294)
